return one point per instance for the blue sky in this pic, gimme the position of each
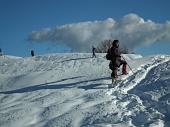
(18, 18)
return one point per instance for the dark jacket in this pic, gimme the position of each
(32, 52)
(115, 56)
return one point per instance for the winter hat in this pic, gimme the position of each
(115, 43)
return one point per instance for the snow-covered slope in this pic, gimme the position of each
(58, 90)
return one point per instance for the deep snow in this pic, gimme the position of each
(58, 90)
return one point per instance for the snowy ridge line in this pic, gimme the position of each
(131, 107)
(43, 63)
(154, 93)
(131, 80)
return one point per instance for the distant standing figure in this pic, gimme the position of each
(32, 52)
(1, 52)
(93, 50)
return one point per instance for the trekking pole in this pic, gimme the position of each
(128, 65)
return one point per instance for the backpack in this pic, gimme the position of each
(108, 56)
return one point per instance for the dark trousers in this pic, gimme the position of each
(94, 55)
(114, 67)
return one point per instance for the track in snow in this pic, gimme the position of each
(134, 95)
(71, 90)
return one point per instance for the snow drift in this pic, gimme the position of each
(72, 90)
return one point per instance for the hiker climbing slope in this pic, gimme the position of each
(114, 55)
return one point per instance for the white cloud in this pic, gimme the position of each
(132, 31)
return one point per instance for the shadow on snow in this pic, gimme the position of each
(74, 59)
(53, 85)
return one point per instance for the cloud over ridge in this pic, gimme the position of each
(132, 31)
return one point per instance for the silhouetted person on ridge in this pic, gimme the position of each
(32, 52)
(93, 50)
(1, 52)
